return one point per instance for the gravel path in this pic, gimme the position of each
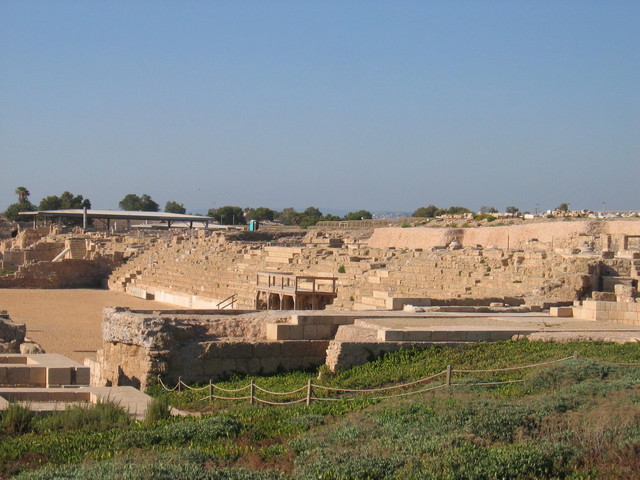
(67, 321)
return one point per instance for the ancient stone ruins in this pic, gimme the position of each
(267, 301)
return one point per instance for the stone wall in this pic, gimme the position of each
(201, 270)
(11, 334)
(139, 346)
(556, 234)
(64, 274)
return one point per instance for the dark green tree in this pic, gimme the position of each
(52, 202)
(23, 194)
(312, 212)
(484, 210)
(261, 213)
(12, 210)
(289, 216)
(65, 201)
(359, 215)
(512, 210)
(454, 211)
(133, 202)
(228, 215)
(428, 212)
(174, 207)
(563, 207)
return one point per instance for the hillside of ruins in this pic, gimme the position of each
(251, 302)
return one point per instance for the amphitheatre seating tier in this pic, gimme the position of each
(213, 267)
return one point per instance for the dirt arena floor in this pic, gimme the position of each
(67, 321)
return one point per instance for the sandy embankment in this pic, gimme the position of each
(67, 321)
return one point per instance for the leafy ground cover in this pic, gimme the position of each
(578, 419)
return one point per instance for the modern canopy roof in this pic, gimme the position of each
(122, 215)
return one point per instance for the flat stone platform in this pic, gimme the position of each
(478, 327)
(57, 399)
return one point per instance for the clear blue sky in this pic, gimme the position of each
(377, 105)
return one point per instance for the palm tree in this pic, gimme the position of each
(23, 194)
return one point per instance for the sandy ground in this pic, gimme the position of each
(67, 321)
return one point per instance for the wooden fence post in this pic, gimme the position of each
(448, 378)
(309, 391)
(210, 391)
(575, 354)
(179, 384)
(253, 392)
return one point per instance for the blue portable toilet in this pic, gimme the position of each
(254, 225)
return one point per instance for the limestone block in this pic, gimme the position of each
(58, 376)
(212, 368)
(561, 312)
(229, 366)
(268, 349)
(625, 292)
(269, 364)
(83, 376)
(603, 296)
(38, 377)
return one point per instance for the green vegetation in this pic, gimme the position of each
(341, 269)
(359, 215)
(52, 202)
(14, 209)
(158, 409)
(133, 202)
(228, 215)
(433, 211)
(175, 207)
(261, 214)
(65, 201)
(579, 419)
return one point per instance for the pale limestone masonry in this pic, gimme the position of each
(195, 346)
(41, 370)
(12, 335)
(57, 399)
(51, 382)
(202, 270)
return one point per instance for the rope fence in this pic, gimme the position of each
(351, 394)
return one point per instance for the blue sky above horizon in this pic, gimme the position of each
(375, 105)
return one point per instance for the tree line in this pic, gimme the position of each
(231, 215)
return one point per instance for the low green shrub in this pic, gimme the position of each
(158, 409)
(17, 419)
(95, 417)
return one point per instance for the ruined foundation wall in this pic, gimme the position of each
(139, 347)
(64, 274)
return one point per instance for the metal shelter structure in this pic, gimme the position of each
(168, 219)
